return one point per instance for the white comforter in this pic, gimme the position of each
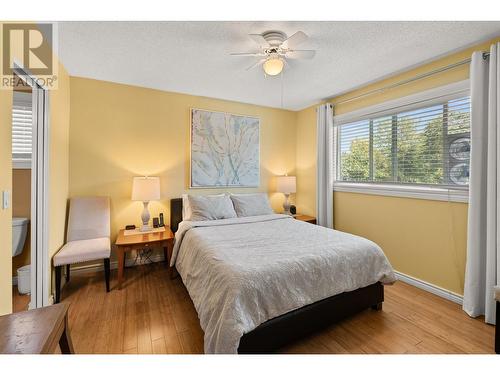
(242, 272)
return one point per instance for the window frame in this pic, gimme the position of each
(430, 97)
(23, 161)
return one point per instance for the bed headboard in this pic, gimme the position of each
(175, 213)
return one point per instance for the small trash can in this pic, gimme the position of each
(24, 279)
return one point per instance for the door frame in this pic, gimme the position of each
(40, 266)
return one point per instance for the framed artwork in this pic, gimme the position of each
(224, 150)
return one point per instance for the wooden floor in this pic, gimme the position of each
(153, 314)
(20, 302)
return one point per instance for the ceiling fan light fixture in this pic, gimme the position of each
(273, 66)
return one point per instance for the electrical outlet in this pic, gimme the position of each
(5, 199)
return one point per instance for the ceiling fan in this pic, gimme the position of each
(275, 49)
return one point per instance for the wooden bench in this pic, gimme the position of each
(38, 331)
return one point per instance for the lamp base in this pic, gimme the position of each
(145, 218)
(286, 205)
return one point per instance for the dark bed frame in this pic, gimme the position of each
(286, 328)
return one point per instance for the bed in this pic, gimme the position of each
(259, 283)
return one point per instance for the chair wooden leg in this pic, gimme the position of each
(67, 272)
(58, 283)
(106, 273)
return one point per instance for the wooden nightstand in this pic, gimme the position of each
(307, 219)
(125, 243)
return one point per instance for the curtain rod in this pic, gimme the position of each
(413, 79)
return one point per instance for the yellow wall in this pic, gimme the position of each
(423, 239)
(119, 131)
(21, 207)
(58, 163)
(5, 215)
(306, 161)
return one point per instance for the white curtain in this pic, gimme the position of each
(483, 235)
(324, 174)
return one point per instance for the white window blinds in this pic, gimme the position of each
(22, 127)
(428, 145)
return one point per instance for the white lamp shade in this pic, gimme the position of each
(146, 189)
(286, 184)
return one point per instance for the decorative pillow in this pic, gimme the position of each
(186, 209)
(211, 207)
(251, 204)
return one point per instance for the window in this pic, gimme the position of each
(425, 145)
(22, 129)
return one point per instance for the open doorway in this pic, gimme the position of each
(30, 267)
(22, 149)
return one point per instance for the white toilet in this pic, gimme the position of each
(19, 232)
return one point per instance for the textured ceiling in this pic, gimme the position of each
(193, 57)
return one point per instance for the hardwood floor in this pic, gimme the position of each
(20, 302)
(153, 314)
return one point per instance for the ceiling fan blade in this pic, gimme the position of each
(301, 54)
(287, 64)
(247, 54)
(259, 39)
(256, 64)
(295, 40)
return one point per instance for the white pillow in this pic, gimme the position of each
(186, 209)
(211, 208)
(251, 204)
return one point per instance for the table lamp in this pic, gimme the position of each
(286, 185)
(146, 189)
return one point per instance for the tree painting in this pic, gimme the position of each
(224, 149)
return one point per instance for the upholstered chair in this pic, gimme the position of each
(87, 237)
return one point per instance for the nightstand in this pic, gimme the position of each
(124, 243)
(307, 219)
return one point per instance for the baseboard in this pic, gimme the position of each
(431, 288)
(114, 264)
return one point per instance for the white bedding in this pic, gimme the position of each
(242, 272)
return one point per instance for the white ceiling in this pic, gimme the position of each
(193, 57)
